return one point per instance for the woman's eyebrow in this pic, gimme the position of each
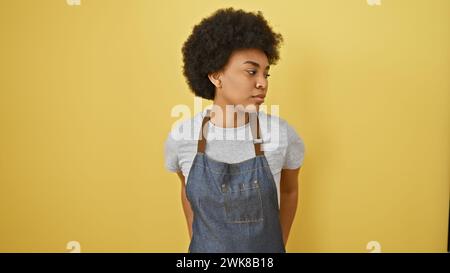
(255, 64)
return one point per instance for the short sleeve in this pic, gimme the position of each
(171, 154)
(295, 150)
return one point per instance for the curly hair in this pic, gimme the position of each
(213, 40)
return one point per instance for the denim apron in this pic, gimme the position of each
(235, 205)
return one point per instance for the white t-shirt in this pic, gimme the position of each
(282, 146)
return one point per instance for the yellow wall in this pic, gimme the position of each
(85, 99)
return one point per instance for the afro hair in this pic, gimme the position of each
(213, 40)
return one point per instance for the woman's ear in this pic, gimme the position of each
(215, 79)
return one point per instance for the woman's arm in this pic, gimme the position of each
(186, 205)
(288, 200)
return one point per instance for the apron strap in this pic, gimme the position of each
(255, 131)
(201, 146)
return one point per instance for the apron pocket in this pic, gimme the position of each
(243, 203)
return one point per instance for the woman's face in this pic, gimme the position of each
(243, 80)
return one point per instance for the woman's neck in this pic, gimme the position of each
(232, 118)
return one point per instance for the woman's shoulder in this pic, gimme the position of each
(273, 124)
(278, 132)
(272, 119)
(184, 129)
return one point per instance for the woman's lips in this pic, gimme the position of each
(258, 99)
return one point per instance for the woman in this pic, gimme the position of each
(232, 197)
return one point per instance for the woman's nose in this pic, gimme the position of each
(260, 85)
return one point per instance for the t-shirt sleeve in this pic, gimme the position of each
(295, 150)
(171, 154)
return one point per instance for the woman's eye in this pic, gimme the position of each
(253, 72)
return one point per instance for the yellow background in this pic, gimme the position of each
(85, 99)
